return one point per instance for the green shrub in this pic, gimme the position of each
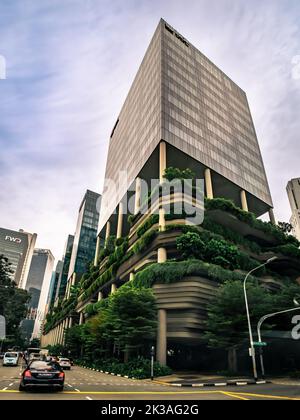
(144, 241)
(191, 246)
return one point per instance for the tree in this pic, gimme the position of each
(176, 173)
(285, 227)
(226, 326)
(13, 302)
(191, 245)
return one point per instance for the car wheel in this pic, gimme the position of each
(60, 389)
(21, 387)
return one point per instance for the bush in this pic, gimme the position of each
(144, 241)
(139, 368)
(190, 245)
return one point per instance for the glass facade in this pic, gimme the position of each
(181, 97)
(18, 247)
(83, 251)
(63, 279)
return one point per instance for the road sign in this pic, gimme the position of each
(2, 328)
(260, 344)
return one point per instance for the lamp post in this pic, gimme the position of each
(259, 325)
(252, 349)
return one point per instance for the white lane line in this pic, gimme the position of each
(4, 389)
(76, 389)
(11, 384)
(89, 398)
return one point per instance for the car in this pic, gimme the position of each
(44, 374)
(34, 356)
(10, 359)
(64, 363)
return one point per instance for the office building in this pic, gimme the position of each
(54, 284)
(63, 278)
(84, 245)
(293, 191)
(37, 285)
(18, 247)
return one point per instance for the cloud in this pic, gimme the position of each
(70, 65)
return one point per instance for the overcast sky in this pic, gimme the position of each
(70, 64)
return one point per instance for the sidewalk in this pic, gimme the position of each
(201, 380)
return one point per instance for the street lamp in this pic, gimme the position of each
(259, 325)
(252, 350)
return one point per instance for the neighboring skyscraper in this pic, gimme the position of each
(181, 98)
(293, 191)
(18, 247)
(37, 285)
(54, 284)
(83, 251)
(63, 279)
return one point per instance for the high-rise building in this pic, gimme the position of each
(63, 278)
(37, 285)
(18, 247)
(84, 246)
(293, 191)
(183, 108)
(56, 275)
(182, 112)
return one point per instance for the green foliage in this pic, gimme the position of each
(144, 241)
(213, 249)
(152, 220)
(226, 326)
(285, 227)
(13, 302)
(174, 271)
(191, 246)
(249, 218)
(176, 173)
(289, 250)
(125, 320)
(139, 368)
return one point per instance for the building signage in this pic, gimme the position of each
(12, 239)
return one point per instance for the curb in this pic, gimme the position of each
(107, 373)
(215, 384)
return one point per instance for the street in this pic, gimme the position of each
(84, 384)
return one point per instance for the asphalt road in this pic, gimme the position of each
(84, 384)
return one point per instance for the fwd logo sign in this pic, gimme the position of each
(11, 239)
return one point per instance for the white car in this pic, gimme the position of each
(11, 359)
(64, 363)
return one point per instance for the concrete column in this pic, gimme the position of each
(244, 200)
(162, 220)
(208, 184)
(137, 199)
(272, 217)
(100, 296)
(96, 259)
(113, 288)
(107, 234)
(120, 221)
(70, 322)
(81, 318)
(162, 160)
(131, 276)
(161, 345)
(161, 255)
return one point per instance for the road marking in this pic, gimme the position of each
(89, 398)
(11, 384)
(232, 395)
(75, 390)
(274, 397)
(4, 389)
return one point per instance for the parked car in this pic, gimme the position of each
(10, 359)
(34, 356)
(64, 363)
(40, 373)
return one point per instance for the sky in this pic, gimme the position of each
(69, 65)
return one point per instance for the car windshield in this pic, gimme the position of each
(40, 365)
(11, 354)
(64, 360)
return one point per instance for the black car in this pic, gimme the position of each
(42, 374)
